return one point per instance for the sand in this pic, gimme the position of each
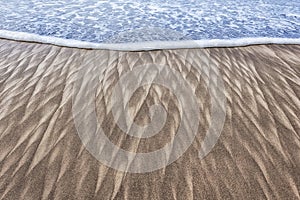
(257, 155)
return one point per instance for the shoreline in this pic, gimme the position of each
(144, 46)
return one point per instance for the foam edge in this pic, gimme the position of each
(140, 46)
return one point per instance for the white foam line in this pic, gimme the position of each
(29, 37)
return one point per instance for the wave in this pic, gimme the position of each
(149, 45)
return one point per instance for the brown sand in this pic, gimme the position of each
(256, 157)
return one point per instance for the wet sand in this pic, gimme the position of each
(256, 157)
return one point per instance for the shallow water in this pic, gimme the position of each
(120, 21)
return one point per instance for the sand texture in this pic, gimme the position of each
(257, 155)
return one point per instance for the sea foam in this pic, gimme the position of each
(149, 45)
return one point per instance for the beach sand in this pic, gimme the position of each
(257, 155)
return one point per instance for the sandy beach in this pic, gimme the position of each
(257, 155)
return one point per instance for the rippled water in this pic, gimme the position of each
(148, 20)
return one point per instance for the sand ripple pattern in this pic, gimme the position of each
(257, 154)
